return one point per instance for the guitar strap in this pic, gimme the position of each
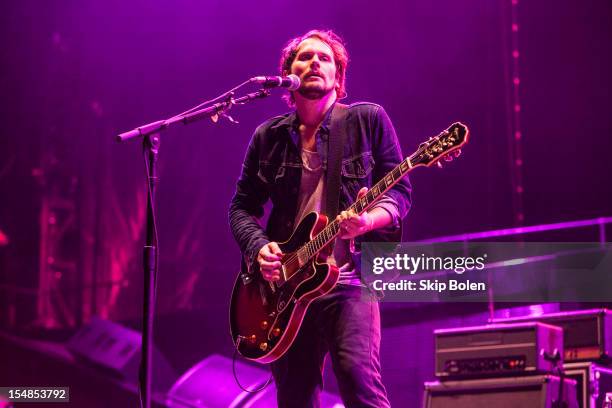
(338, 134)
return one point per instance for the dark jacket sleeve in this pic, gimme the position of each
(387, 155)
(247, 205)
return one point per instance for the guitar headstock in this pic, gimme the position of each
(446, 145)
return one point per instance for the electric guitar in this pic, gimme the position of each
(265, 317)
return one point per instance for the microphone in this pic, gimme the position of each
(291, 82)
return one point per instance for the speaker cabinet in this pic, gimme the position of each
(593, 383)
(539, 391)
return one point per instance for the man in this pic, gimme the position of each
(286, 162)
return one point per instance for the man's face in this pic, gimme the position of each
(314, 64)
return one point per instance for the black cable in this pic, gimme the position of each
(154, 219)
(236, 376)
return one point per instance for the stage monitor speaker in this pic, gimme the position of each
(540, 391)
(211, 384)
(115, 350)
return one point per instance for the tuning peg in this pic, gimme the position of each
(439, 164)
(448, 158)
(457, 152)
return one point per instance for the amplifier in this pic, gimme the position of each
(537, 391)
(587, 333)
(498, 349)
(593, 383)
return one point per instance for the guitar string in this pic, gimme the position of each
(376, 191)
(321, 241)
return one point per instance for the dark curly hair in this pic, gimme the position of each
(341, 58)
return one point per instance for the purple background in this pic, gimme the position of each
(74, 74)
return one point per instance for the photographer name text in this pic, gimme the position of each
(429, 285)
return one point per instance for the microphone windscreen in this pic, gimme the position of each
(295, 82)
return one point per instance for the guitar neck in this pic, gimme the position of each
(331, 231)
(427, 154)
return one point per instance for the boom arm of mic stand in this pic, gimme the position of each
(220, 107)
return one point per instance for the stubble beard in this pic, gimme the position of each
(315, 92)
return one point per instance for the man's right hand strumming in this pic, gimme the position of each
(269, 261)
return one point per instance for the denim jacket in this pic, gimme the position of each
(272, 170)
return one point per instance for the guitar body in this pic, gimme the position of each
(265, 317)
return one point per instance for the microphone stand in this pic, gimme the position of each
(151, 142)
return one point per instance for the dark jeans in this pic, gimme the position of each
(345, 323)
